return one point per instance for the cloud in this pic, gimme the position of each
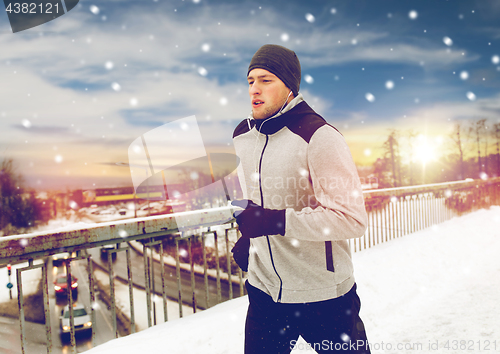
(58, 80)
(44, 130)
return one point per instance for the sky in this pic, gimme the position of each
(77, 91)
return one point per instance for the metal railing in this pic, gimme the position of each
(392, 213)
(395, 212)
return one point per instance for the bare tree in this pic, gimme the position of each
(477, 129)
(496, 134)
(17, 208)
(391, 152)
(486, 135)
(457, 138)
(411, 135)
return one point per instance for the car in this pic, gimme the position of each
(59, 258)
(82, 320)
(61, 284)
(105, 252)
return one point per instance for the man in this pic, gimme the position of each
(303, 201)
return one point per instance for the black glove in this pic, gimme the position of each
(257, 221)
(241, 251)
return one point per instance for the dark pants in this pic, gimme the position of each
(328, 326)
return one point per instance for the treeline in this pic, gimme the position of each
(19, 209)
(472, 150)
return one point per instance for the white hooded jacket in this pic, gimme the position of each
(298, 162)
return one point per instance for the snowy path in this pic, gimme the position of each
(419, 293)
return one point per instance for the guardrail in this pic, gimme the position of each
(392, 213)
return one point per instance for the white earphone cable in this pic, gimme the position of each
(260, 129)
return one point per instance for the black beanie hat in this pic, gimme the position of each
(280, 61)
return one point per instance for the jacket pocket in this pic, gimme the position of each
(329, 256)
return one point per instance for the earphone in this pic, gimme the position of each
(283, 106)
(260, 128)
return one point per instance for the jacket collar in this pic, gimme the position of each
(272, 124)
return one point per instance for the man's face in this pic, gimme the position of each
(267, 93)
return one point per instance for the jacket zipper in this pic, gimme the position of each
(262, 202)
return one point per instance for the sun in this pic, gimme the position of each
(425, 150)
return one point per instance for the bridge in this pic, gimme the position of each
(392, 213)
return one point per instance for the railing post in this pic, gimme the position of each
(369, 226)
(90, 271)
(178, 273)
(112, 294)
(147, 282)
(46, 306)
(387, 210)
(228, 260)
(401, 216)
(240, 272)
(69, 292)
(152, 263)
(205, 270)
(163, 291)
(193, 285)
(217, 266)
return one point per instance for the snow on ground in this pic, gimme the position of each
(422, 293)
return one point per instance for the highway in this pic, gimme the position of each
(103, 326)
(138, 277)
(35, 334)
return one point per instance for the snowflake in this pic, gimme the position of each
(471, 96)
(413, 15)
(309, 79)
(345, 337)
(205, 47)
(369, 97)
(448, 41)
(94, 9)
(310, 18)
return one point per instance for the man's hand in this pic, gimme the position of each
(257, 221)
(241, 251)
